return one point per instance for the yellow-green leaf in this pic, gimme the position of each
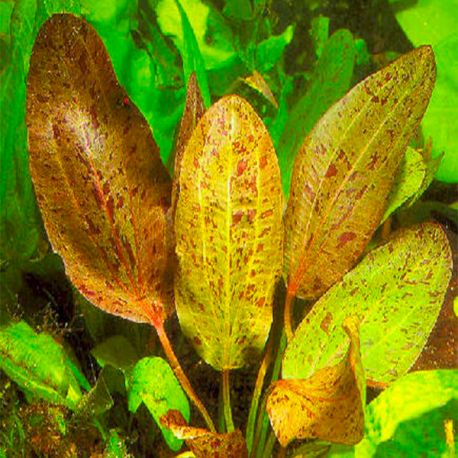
(228, 229)
(100, 184)
(328, 406)
(345, 169)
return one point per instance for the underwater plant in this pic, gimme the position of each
(290, 269)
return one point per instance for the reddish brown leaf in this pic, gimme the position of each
(203, 443)
(328, 406)
(345, 169)
(194, 109)
(99, 181)
(259, 84)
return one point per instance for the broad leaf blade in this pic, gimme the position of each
(38, 364)
(396, 291)
(152, 382)
(328, 406)
(203, 443)
(99, 181)
(228, 230)
(345, 169)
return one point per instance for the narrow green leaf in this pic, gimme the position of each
(345, 169)
(228, 230)
(152, 382)
(330, 81)
(116, 447)
(38, 364)
(396, 291)
(407, 400)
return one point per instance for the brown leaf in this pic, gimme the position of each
(229, 233)
(203, 443)
(99, 181)
(259, 84)
(344, 172)
(194, 109)
(328, 406)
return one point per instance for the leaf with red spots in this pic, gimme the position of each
(228, 229)
(329, 405)
(345, 169)
(396, 291)
(203, 443)
(193, 111)
(100, 184)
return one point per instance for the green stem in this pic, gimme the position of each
(227, 401)
(181, 376)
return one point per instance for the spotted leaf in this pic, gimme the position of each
(396, 291)
(203, 443)
(228, 229)
(345, 169)
(100, 184)
(328, 406)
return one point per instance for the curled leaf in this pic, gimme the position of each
(345, 169)
(329, 405)
(100, 184)
(396, 291)
(203, 443)
(228, 230)
(259, 84)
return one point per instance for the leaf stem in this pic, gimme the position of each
(257, 395)
(289, 302)
(227, 401)
(181, 376)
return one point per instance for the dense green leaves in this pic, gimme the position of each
(152, 382)
(344, 171)
(396, 291)
(39, 365)
(228, 234)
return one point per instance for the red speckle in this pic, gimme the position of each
(236, 217)
(267, 213)
(332, 171)
(261, 301)
(197, 341)
(126, 101)
(263, 162)
(241, 167)
(251, 215)
(345, 238)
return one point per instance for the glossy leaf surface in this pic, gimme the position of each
(152, 382)
(99, 181)
(396, 291)
(329, 405)
(330, 81)
(229, 234)
(203, 443)
(193, 111)
(345, 169)
(38, 364)
(408, 399)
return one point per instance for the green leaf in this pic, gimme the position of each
(400, 421)
(435, 23)
(330, 81)
(38, 364)
(97, 400)
(116, 447)
(319, 33)
(270, 50)
(328, 406)
(152, 382)
(345, 169)
(228, 228)
(116, 351)
(396, 291)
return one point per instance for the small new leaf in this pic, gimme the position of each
(328, 406)
(345, 169)
(228, 230)
(100, 184)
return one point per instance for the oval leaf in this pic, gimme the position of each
(203, 443)
(327, 406)
(228, 229)
(396, 292)
(345, 169)
(152, 382)
(99, 181)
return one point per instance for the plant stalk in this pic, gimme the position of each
(227, 401)
(289, 302)
(181, 376)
